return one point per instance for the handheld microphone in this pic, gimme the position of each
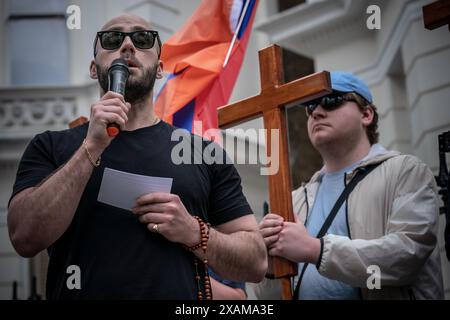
(117, 76)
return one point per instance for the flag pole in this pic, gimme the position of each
(241, 19)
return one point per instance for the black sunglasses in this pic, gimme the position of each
(328, 103)
(112, 40)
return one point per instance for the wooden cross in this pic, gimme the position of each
(270, 104)
(78, 122)
(436, 14)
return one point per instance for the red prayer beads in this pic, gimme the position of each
(204, 237)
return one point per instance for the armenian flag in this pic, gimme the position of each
(202, 62)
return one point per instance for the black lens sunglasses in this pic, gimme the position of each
(112, 40)
(328, 103)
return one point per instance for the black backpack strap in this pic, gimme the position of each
(360, 174)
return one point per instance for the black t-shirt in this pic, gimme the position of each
(119, 258)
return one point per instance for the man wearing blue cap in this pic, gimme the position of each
(367, 221)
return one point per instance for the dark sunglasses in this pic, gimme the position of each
(112, 40)
(328, 103)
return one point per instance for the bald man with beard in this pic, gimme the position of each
(139, 253)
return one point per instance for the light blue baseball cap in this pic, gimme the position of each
(347, 82)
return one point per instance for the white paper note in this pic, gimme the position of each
(121, 189)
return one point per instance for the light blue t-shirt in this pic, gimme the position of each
(314, 285)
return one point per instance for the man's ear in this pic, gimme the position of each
(367, 116)
(159, 71)
(93, 70)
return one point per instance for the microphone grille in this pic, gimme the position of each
(119, 63)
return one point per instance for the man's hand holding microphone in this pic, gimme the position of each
(109, 114)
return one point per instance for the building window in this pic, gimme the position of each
(304, 159)
(37, 44)
(287, 4)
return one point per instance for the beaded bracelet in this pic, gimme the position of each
(204, 236)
